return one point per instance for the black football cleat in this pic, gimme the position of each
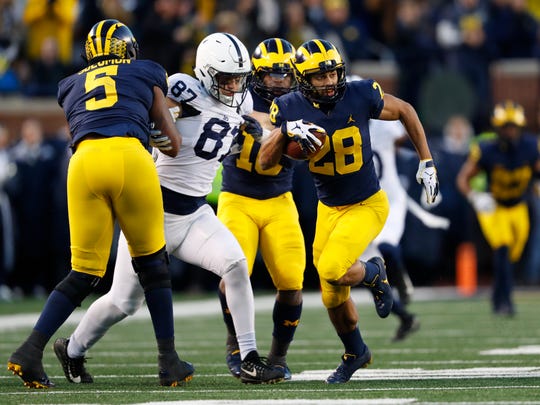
(173, 371)
(74, 369)
(256, 370)
(380, 289)
(26, 363)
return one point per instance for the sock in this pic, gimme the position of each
(399, 309)
(242, 308)
(159, 302)
(97, 320)
(286, 318)
(57, 309)
(353, 343)
(503, 280)
(227, 318)
(165, 345)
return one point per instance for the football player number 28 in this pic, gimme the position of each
(347, 145)
(102, 77)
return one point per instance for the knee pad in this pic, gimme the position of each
(153, 270)
(77, 286)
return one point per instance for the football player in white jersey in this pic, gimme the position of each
(212, 111)
(384, 135)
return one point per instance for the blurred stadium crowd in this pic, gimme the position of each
(41, 41)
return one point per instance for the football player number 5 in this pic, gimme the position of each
(102, 77)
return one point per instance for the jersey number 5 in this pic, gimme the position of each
(102, 77)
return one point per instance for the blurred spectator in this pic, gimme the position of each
(45, 73)
(50, 18)
(512, 28)
(450, 154)
(295, 26)
(10, 40)
(345, 31)
(414, 48)
(167, 32)
(7, 171)
(469, 51)
(31, 196)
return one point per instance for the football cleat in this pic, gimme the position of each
(173, 371)
(74, 369)
(408, 325)
(234, 362)
(25, 362)
(256, 370)
(287, 376)
(349, 364)
(380, 289)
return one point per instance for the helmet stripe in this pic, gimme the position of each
(99, 49)
(241, 60)
(108, 36)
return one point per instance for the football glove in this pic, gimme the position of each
(252, 127)
(300, 131)
(159, 141)
(427, 176)
(481, 201)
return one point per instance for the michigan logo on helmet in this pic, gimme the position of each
(111, 39)
(314, 57)
(221, 57)
(508, 112)
(273, 57)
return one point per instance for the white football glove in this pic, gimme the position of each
(175, 112)
(301, 131)
(159, 141)
(427, 176)
(481, 201)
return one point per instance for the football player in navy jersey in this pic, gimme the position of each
(352, 208)
(510, 161)
(257, 206)
(109, 106)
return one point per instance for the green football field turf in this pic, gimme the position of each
(461, 354)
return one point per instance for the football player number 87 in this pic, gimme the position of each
(102, 77)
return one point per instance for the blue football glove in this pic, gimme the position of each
(427, 176)
(301, 131)
(252, 127)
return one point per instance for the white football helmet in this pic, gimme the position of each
(222, 54)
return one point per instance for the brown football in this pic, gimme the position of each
(294, 151)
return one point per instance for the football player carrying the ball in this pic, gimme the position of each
(352, 207)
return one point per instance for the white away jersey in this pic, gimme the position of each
(207, 128)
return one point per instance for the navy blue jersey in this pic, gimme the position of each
(121, 90)
(509, 168)
(343, 169)
(244, 176)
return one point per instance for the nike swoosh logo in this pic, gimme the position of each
(252, 373)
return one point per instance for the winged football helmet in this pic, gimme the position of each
(273, 57)
(111, 39)
(508, 112)
(319, 56)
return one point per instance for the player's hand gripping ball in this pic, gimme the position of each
(304, 139)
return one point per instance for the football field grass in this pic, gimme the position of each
(461, 354)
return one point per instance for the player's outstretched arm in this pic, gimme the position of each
(161, 116)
